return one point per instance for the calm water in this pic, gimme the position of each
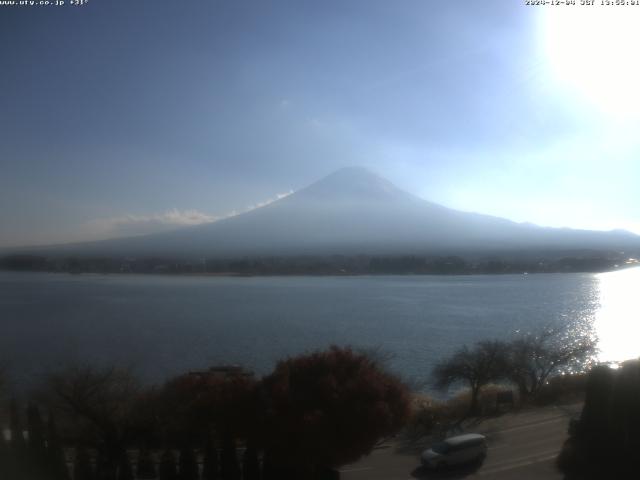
(164, 325)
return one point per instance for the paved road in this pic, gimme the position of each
(521, 446)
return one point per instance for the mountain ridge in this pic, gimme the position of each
(350, 211)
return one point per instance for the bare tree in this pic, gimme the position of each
(378, 355)
(383, 359)
(475, 367)
(101, 401)
(533, 358)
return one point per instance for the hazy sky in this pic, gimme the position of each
(127, 116)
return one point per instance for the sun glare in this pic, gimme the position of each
(616, 323)
(593, 50)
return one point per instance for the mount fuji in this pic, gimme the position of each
(352, 211)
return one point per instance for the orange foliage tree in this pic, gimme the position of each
(329, 408)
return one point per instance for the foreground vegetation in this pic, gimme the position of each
(312, 414)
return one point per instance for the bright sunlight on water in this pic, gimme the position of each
(616, 322)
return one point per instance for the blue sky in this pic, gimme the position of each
(124, 117)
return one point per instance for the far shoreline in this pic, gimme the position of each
(444, 264)
(321, 275)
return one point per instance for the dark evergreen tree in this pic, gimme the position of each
(229, 467)
(82, 469)
(604, 443)
(250, 463)
(6, 459)
(34, 459)
(17, 454)
(15, 424)
(268, 469)
(210, 463)
(146, 466)
(3, 449)
(271, 471)
(103, 469)
(188, 464)
(125, 472)
(36, 444)
(56, 460)
(167, 470)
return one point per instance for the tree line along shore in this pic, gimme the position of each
(517, 263)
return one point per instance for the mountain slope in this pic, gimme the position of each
(354, 211)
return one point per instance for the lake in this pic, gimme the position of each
(163, 325)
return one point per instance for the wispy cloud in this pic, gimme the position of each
(136, 224)
(268, 201)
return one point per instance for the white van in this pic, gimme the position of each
(456, 450)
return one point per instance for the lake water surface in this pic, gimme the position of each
(163, 325)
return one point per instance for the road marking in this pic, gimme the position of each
(528, 425)
(527, 443)
(522, 462)
(526, 457)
